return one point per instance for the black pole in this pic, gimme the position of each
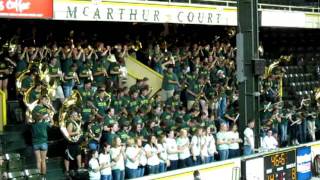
(248, 64)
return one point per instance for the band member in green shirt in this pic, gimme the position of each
(39, 131)
(169, 83)
(73, 151)
(56, 75)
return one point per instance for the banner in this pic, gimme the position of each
(137, 12)
(304, 163)
(277, 18)
(26, 8)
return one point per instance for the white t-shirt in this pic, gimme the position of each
(248, 136)
(105, 159)
(131, 153)
(223, 137)
(94, 165)
(143, 158)
(162, 149)
(196, 145)
(233, 136)
(172, 147)
(186, 151)
(114, 152)
(269, 143)
(212, 148)
(205, 145)
(153, 160)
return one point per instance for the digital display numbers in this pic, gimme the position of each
(280, 166)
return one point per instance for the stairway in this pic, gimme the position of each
(137, 70)
(14, 140)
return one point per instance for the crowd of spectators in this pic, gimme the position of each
(193, 120)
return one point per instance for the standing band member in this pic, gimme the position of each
(73, 151)
(39, 130)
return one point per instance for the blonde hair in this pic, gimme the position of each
(183, 131)
(130, 142)
(114, 142)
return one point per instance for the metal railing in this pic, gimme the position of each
(314, 8)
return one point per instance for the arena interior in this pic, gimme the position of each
(147, 89)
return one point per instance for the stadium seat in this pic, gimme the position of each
(32, 174)
(14, 162)
(16, 175)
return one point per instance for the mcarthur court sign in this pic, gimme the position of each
(139, 12)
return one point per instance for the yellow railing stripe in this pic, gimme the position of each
(172, 177)
(3, 110)
(146, 67)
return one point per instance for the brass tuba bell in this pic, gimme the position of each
(65, 111)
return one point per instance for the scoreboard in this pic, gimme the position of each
(280, 165)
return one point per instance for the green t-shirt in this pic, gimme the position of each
(53, 70)
(195, 88)
(143, 101)
(117, 104)
(108, 137)
(39, 132)
(114, 67)
(133, 106)
(69, 82)
(96, 129)
(66, 65)
(27, 82)
(99, 67)
(108, 120)
(87, 95)
(39, 110)
(84, 71)
(124, 136)
(101, 105)
(191, 79)
(34, 95)
(86, 113)
(21, 66)
(165, 83)
(176, 103)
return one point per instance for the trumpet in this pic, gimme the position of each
(76, 77)
(60, 73)
(90, 75)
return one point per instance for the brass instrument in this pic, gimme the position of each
(109, 98)
(44, 73)
(72, 101)
(200, 95)
(60, 73)
(76, 78)
(30, 105)
(89, 73)
(136, 46)
(269, 69)
(317, 94)
(19, 80)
